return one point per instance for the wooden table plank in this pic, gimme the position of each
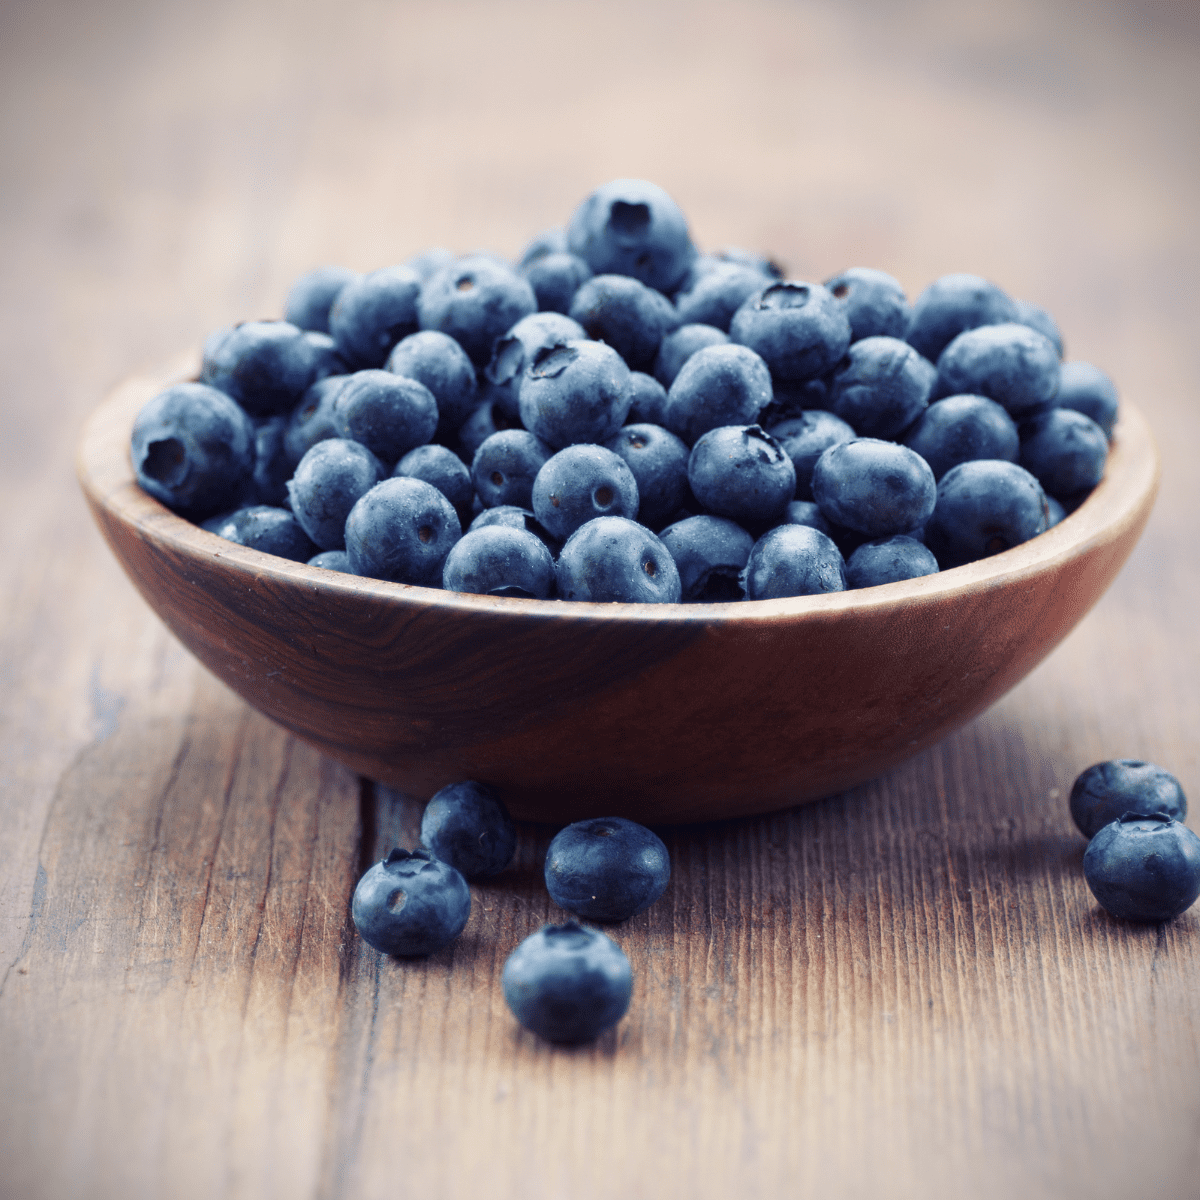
(904, 990)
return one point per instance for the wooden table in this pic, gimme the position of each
(905, 990)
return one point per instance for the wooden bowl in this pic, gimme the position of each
(662, 713)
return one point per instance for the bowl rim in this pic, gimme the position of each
(105, 472)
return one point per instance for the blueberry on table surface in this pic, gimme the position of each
(441, 364)
(963, 428)
(1088, 390)
(266, 366)
(373, 313)
(576, 391)
(793, 560)
(329, 480)
(313, 294)
(659, 462)
(874, 303)
(615, 559)
(710, 554)
(874, 487)
(266, 528)
(567, 983)
(806, 437)
(626, 315)
(1065, 450)
(889, 561)
(983, 508)
(1010, 363)
(468, 826)
(402, 529)
(517, 349)
(632, 227)
(718, 385)
(389, 414)
(193, 449)
(505, 465)
(606, 868)
(475, 300)
(798, 329)
(679, 345)
(580, 483)
(881, 387)
(1144, 868)
(742, 472)
(500, 560)
(1108, 790)
(411, 904)
(952, 304)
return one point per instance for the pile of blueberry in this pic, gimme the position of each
(567, 983)
(617, 417)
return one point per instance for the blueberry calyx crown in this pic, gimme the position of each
(784, 295)
(1159, 818)
(408, 862)
(570, 935)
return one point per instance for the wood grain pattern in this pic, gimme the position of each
(905, 990)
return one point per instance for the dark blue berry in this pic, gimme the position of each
(798, 329)
(312, 419)
(632, 227)
(372, 314)
(193, 449)
(808, 512)
(710, 554)
(678, 346)
(717, 386)
(626, 315)
(1038, 318)
(963, 428)
(402, 529)
(874, 303)
(555, 278)
(514, 517)
(445, 470)
(266, 528)
(575, 392)
(266, 366)
(549, 241)
(486, 420)
(1144, 868)
(505, 466)
(441, 364)
(874, 487)
(1090, 391)
(659, 462)
(389, 414)
(607, 868)
(648, 401)
(411, 904)
(952, 304)
(881, 387)
(1108, 790)
(718, 293)
(793, 560)
(615, 559)
(1065, 450)
(567, 983)
(743, 473)
(499, 560)
(313, 294)
(332, 560)
(518, 348)
(272, 467)
(1012, 364)
(580, 483)
(467, 825)
(889, 561)
(329, 480)
(805, 438)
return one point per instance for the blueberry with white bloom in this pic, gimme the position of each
(616, 559)
(952, 304)
(266, 366)
(411, 904)
(555, 278)
(441, 364)
(577, 391)
(742, 472)
(1065, 450)
(710, 554)
(372, 314)
(1088, 390)
(874, 302)
(889, 560)
(518, 348)
(679, 345)
(881, 387)
(389, 414)
(805, 438)
(626, 315)
(468, 826)
(798, 329)
(963, 428)
(267, 528)
(717, 386)
(793, 560)
(874, 487)
(1108, 790)
(500, 560)
(659, 463)
(506, 464)
(1144, 868)
(1010, 363)
(402, 529)
(329, 480)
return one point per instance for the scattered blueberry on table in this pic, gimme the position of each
(411, 904)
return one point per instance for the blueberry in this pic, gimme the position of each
(555, 278)
(806, 438)
(874, 302)
(1108, 790)
(808, 512)
(272, 467)
(389, 414)
(659, 462)
(710, 554)
(332, 560)
(678, 346)
(962, 428)
(952, 304)
(1055, 512)
(881, 387)
(373, 313)
(328, 358)
(513, 517)
(266, 366)
(1038, 318)
(1065, 450)
(329, 480)
(1144, 868)
(193, 449)
(441, 364)
(313, 294)
(475, 300)
(499, 560)
(793, 560)
(889, 561)
(549, 241)
(467, 825)
(632, 227)
(874, 487)
(1010, 363)
(799, 329)
(648, 400)
(505, 466)
(717, 386)
(580, 483)
(518, 348)
(984, 507)
(429, 262)
(626, 315)
(717, 294)
(445, 470)
(265, 528)
(615, 559)
(312, 419)
(790, 400)
(1088, 390)
(410, 904)
(486, 420)
(743, 473)
(402, 529)
(567, 983)
(575, 392)
(607, 868)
